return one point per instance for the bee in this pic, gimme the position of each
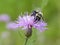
(37, 15)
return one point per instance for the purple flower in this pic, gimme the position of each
(28, 22)
(4, 18)
(12, 26)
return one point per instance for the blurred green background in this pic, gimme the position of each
(51, 11)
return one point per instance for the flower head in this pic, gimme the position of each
(28, 21)
(25, 21)
(4, 18)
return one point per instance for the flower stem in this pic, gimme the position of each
(26, 41)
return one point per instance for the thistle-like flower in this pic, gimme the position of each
(28, 22)
(4, 18)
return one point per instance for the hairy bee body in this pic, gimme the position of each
(37, 16)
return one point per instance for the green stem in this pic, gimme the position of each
(26, 41)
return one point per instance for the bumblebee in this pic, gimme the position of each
(37, 15)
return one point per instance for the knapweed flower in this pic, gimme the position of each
(4, 18)
(28, 22)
